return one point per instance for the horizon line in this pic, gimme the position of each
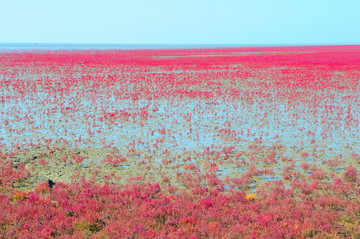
(178, 44)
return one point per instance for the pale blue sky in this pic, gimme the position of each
(181, 22)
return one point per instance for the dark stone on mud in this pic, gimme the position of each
(51, 183)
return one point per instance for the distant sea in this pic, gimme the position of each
(50, 46)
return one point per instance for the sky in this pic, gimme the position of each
(180, 22)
